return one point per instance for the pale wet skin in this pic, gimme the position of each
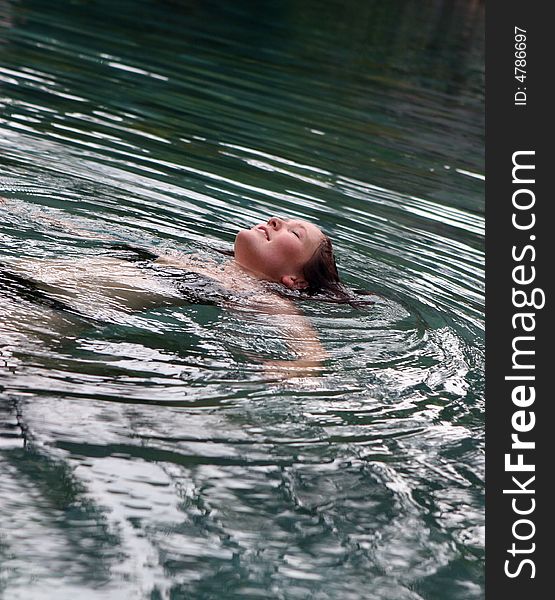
(278, 250)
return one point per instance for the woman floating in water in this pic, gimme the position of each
(270, 261)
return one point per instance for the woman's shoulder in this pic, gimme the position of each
(244, 291)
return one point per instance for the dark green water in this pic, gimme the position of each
(148, 455)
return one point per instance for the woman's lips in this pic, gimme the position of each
(265, 230)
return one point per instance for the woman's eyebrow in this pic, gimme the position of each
(301, 226)
(297, 224)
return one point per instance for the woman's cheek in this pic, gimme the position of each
(291, 253)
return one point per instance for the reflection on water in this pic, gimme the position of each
(149, 453)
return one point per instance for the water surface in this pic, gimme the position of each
(149, 454)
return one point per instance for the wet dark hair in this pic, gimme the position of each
(320, 272)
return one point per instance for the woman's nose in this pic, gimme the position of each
(275, 223)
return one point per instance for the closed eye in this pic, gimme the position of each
(294, 232)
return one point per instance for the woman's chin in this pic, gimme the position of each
(249, 254)
(241, 246)
(245, 236)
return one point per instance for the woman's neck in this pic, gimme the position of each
(235, 269)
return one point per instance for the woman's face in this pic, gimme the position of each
(278, 250)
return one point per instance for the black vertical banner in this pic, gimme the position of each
(520, 267)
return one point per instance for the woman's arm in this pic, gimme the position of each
(57, 223)
(300, 337)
